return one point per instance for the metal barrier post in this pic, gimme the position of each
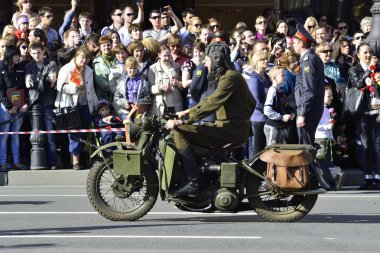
(38, 153)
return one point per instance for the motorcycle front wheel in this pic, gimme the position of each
(119, 198)
(279, 207)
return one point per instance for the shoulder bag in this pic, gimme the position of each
(67, 118)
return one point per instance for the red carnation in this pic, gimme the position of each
(372, 67)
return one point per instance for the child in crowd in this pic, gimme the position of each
(107, 118)
(23, 27)
(275, 108)
(324, 137)
(132, 90)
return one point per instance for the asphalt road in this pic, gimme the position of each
(60, 219)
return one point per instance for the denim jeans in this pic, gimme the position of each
(258, 141)
(76, 147)
(51, 149)
(15, 142)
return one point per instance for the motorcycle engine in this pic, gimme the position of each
(226, 199)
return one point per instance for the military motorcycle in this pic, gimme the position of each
(128, 177)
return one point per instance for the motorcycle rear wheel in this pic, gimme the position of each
(281, 208)
(116, 203)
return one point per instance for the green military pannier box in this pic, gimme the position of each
(127, 162)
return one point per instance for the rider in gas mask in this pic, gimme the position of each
(231, 101)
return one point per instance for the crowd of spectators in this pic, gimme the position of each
(122, 66)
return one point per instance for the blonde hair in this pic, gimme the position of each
(322, 45)
(256, 57)
(7, 30)
(131, 62)
(274, 72)
(310, 19)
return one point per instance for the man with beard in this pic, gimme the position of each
(231, 101)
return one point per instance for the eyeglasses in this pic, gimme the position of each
(175, 46)
(49, 16)
(118, 14)
(24, 47)
(261, 22)
(360, 38)
(311, 26)
(326, 51)
(197, 25)
(342, 27)
(155, 17)
(212, 27)
(130, 14)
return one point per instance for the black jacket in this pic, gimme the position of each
(14, 78)
(357, 77)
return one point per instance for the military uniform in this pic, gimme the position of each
(233, 103)
(309, 90)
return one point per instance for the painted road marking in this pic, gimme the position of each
(134, 236)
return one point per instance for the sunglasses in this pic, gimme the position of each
(49, 16)
(326, 51)
(24, 47)
(175, 46)
(197, 25)
(118, 14)
(214, 26)
(130, 14)
(261, 22)
(360, 38)
(342, 27)
(311, 26)
(155, 17)
(27, 2)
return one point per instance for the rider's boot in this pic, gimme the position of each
(189, 164)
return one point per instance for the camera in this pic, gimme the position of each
(164, 9)
(284, 45)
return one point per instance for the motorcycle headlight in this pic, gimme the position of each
(146, 123)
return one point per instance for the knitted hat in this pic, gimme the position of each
(22, 19)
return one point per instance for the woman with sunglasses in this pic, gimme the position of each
(331, 69)
(12, 88)
(282, 27)
(23, 45)
(310, 24)
(25, 8)
(261, 27)
(194, 30)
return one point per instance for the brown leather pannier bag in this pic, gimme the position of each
(288, 169)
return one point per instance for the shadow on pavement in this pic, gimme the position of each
(25, 202)
(78, 230)
(28, 246)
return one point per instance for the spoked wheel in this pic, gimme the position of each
(276, 207)
(121, 198)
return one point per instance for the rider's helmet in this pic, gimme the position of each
(219, 53)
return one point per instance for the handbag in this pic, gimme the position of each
(67, 118)
(353, 101)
